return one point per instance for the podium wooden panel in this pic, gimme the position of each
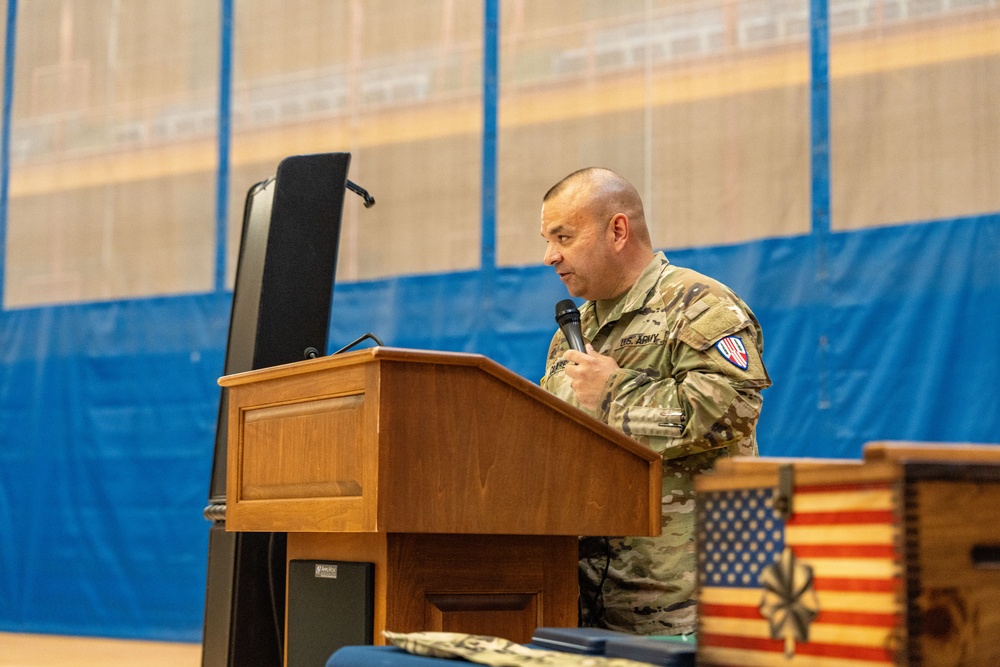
(464, 483)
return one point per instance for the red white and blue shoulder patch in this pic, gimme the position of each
(733, 350)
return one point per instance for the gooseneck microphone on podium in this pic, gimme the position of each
(568, 319)
(361, 192)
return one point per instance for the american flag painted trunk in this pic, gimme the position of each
(849, 564)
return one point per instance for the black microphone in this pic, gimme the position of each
(568, 319)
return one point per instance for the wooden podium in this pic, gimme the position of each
(465, 484)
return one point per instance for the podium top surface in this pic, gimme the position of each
(456, 359)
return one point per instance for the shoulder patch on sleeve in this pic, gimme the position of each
(734, 351)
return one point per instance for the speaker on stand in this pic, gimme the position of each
(281, 314)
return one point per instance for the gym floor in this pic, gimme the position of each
(30, 650)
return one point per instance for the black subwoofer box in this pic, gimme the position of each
(330, 605)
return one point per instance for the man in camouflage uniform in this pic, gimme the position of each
(674, 361)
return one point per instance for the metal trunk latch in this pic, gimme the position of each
(786, 483)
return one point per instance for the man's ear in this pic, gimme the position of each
(620, 230)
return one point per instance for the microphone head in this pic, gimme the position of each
(566, 312)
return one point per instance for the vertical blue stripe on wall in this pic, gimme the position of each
(819, 149)
(8, 101)
(819, 78)
(483, 327)
(222, 180)
(491, 47)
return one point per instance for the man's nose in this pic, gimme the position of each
(551, 256)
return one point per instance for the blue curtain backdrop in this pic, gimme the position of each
(109, 409)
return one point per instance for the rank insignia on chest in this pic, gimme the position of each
(732, 348)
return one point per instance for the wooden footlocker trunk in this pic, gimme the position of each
(894, 560)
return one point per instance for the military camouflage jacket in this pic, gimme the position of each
(688, 386)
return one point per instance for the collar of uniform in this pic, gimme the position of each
(634, 298)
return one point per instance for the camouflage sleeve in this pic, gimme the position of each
(555, 381)
(700, 412)
(703, 402)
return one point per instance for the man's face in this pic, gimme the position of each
(579, 247)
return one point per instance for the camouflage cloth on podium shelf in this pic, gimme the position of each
(494, 651)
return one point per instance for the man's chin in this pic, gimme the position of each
(567, 280)
(573, 286)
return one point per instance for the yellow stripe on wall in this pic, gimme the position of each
(612, 93)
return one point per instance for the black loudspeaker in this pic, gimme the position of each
(281, 314)
(245, 598)
(284, 276)
(331, 604)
